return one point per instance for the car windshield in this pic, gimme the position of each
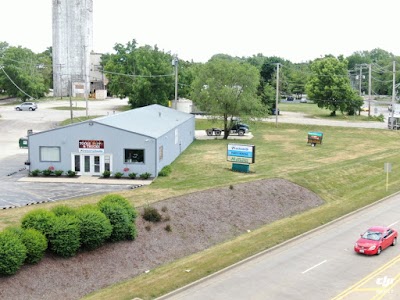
(372, 235)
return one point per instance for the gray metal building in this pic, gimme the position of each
(72, 44)
(140, 140)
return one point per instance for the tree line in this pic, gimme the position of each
(225, 85)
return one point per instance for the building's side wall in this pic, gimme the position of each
(72, 43)
(174, 143)
(115, 141)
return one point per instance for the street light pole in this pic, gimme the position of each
(175, 62)
(277, 94)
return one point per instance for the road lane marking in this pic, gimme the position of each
(309, 269)
(357, 285)
(393, 224)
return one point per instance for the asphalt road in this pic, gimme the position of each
(14, 125)
(319, 265)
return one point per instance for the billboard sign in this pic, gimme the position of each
(241, 154)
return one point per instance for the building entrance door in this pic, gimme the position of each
(88, 164)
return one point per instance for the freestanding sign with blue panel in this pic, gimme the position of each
(241, 156)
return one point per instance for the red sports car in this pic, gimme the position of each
(375, 239)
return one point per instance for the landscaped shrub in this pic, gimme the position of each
(118, 175)
(146, 175)
(35, 243)
(132, 175)
(47, 172)
(64, 236)
(123, 228)
(151, 214)
(118, 199)
(35, 172)
(58, 172)
(106, 174)
(95, 227)
(39, 219)
(60, 210)
(71, 173)
(165, 171)
(12, 253)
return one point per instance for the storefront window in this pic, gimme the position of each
(52, 154)
(134, 156)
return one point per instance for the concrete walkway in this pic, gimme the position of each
(86, 180)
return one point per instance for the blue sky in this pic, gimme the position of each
(195, 30)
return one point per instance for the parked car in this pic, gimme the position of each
(303, 100)
(364, 108)
(290, 98)
(27, 106)
(376, 239)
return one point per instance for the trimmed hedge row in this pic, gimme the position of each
(64, 231)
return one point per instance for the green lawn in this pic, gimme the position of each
(346, 171)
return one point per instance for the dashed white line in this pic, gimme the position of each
(393, 224)
(309, 269)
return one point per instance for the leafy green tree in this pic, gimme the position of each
(21, 75)
(143, 74)
(228, 88)
(329, 86)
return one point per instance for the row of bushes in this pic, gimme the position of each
(49, 172)
(64, 231)
(107, 174)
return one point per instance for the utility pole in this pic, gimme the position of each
(369, 89)
(360, 80)
(277, 94)
(86, 81)
(175, 64)
(393, 96)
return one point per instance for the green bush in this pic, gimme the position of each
(106, 174)
(118, 175)
(58, 172)
(60, 210)
(35, 243)
(71, 173)
(12, 253)
(151, 214)
(64, 237)
(123, 228)
(35, 172)
(47, 172)
(118, 199)
(39, 219)
(95, 227)
(132, 175)
(146, 175)
(165, 171)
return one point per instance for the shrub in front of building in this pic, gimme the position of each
(165, 171)
(118, 175)
(95, 227)
(146, 175)
(12, 253)
(39, 219)
(106, 174)
(58, 172)
(122, 225)
(64, 238)
(120, 200)
(35, 172)
(132, 175)
(71, 173)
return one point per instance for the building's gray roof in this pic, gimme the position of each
(153, 120)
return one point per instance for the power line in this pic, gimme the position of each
(2, 68)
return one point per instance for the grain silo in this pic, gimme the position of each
(72, 44)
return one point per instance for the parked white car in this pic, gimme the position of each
(26, 106)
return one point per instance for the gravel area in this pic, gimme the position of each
(198, 221)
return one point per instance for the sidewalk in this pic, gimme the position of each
(87, 180)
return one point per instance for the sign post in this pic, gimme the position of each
(388, 168)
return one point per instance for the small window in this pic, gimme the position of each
(134, 156)
(50, 154)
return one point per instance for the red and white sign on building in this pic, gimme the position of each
(91, 146)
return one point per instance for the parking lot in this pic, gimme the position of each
(14, 191)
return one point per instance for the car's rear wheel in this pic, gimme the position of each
(30, 108)
(379, 251)
(394, 241)
(241, 132)
(18, 108)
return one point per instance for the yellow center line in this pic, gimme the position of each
(357, 285)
